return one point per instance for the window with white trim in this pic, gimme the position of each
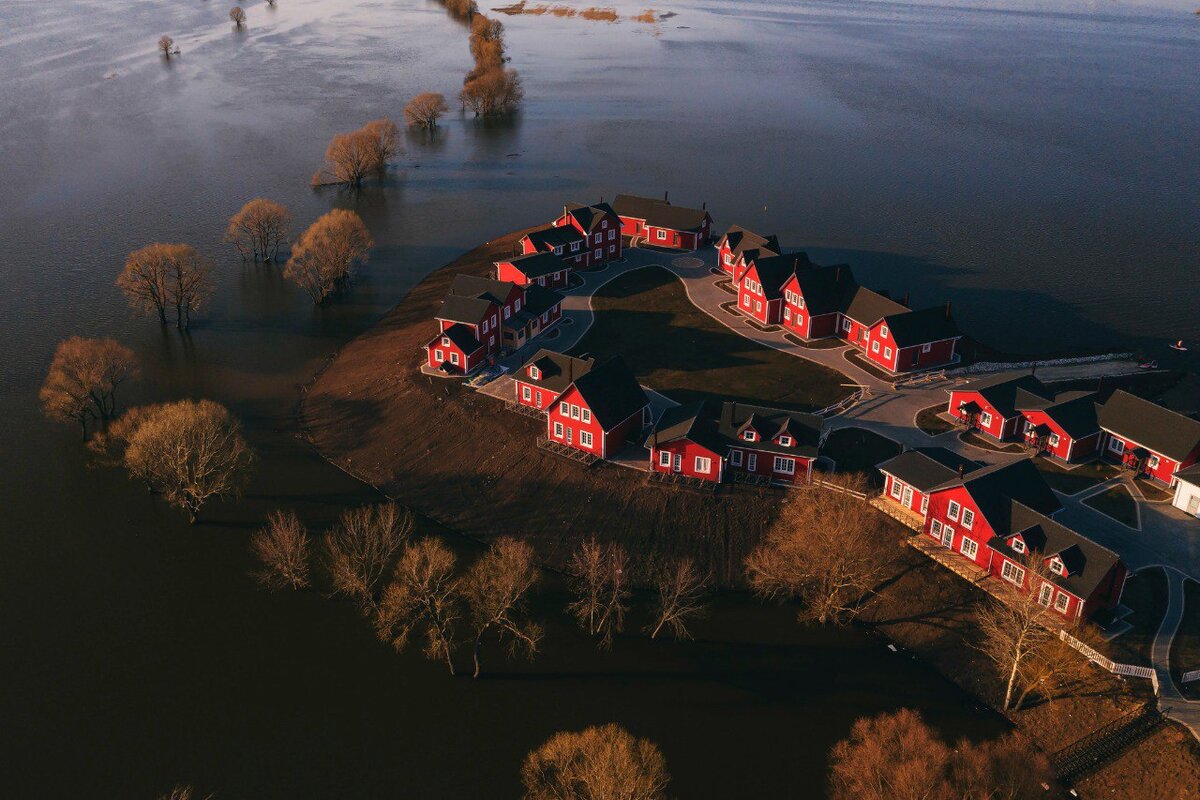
(585, 438)
(735, 457)
(785, 441)
(1116, 445)
(535, 373)
(507, 312)
(1046, 593)
(1018, 546)
(787, 466)
(787, 313)
(585, 414)
(526, 394)
(662, 235)
(953, 509)
(453, 358)
(936, 527)
(746, 300)
(1061, 602)
(897, 489)
(728, 259)
(612, 248)
(874, 347)
(887, 352)
(969, 548)
(664, 458)
(439, 356)
(845, 323)
(1153, 461)
(925, 348)
(558, 250)
(517, 305)
(703, 464)
(883, 331)
(985, 419)
(1012, 573)
(924, 504)
(599, 238)
(611, 234)
(748, 436)
(558, 430)
(445, 341)
(599, 252)
(968, 518)
(574, 411)
(1054, 440)
(564, 409)
(1056, 565)
(575, 246)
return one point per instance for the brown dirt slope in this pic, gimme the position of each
(460, 459)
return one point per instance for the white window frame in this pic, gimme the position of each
(703, 464)
(985, 419)
(611, 234)
(1062, 601)
(785, 465)
(935, 528)
(558, 430)
(887, 352)
(526, 393)
(1045, 594)
(445, 341)
(564, 408)
(1153, 461)
(883, 331)
(748, 436)
(728, 259)
(439, 356)
(735, 457)
(785, 441)
(575, 246)
(953, 510)
(897, 489)
(1117, 446)
(968, 518)
(585, 414)
(664, 458)
(925, 348)
(574, 411)
(846, 324)
(1018, 546)
(1057, 566)
(454, 358)
(585, 438)
(612, 248)
(662, 235)
(969, 544)
(1013, 574)
(1054, 440)
(535, 373)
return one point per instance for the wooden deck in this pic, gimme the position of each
(587, 459)
(524, 410)
(951, 560)
(905, 516)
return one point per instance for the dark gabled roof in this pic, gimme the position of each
(1190, 474)
(824, 288)
(994, 488)
(589, 217)
(612, 392)
(867, 306)
(742, 241)
(1087, 563)
(538, 264)
(911, 328)
(769, 423)
(926, 467)
(539, 299)
(1008, 392)
(659, 213)
(1074, 412)
(696, 422)
(461, 337)
(556, 370)
(489, 289)
(1149, 425)
(551, 237)
(774, 271)
(468, 310)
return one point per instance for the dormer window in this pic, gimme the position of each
(574, 247)
(558, 250)
(535, 373)
(445, 341)
(748, 436)
(785, 441)
(1056, 566)
(1018, 546)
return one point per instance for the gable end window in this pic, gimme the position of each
(968, 518)
(952, 511)
(586, 415)
(1018, 546)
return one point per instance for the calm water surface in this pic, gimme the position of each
(1034, 162)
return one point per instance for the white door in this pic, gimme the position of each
(907, 497)
(678, 463)
(751, 462)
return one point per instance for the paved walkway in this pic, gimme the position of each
(1170, 700)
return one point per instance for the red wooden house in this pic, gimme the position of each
(544, 269)
(760, 283)
(912, 340)
(912, 475)
(565, 242)
(658, 223)
(600, 410)
(715, 442)
(813, 300)
(1064, 428)
(739, 246)
(599, 225)
(1147, 438)
(992, 404)
(999, 518)
(546, 375)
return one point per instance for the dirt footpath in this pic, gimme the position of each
(462, 460)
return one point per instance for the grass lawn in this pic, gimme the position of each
(1072, 481)
(1146, 593)
(1185, 647)
(677, 349)
(1117, 503)
(929, 421)
(858, 450)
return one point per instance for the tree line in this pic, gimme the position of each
(490, 88)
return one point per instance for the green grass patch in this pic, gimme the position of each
(1073, 481)
(858, 450)
(677, 349)
(929, 421)
(1117, 503)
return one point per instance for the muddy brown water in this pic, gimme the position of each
(1035, 162)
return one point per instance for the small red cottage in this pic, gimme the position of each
(992, 405)
(999, 517)
(658, 223)
(739, 246)
(564, 242)
(910, 476)
(716, 442)
(913, 340)
(544, 269)
(813, 300)
(599, 225)
(1064, 428)
(600, 410)
(544, 377)
(1147, 438)
(760, 285)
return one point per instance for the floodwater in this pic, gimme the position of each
(1034, 162)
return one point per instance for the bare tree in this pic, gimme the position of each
(83, 380)
(166, 46)
(159, 276)
(898, 757)
(486, 42)
(681, 590)
(598, 763)
(600, 583)
(259, 228)
(461, 9)
(495, 590)
(191, 451)
(109, 444)
(825, 548)
(423, 599)
(360, 548)
(282, 548)
(350, 157)
(492, 92)
(425, 109)
(237, 16)
(326, 252)
(1019, 634)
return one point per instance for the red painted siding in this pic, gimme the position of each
(997, 426)
(573, 425)
(687, 452)
(1165, 468)
(507, 271)
(764, 465)
(893, 490)
(532, 395)
(438, 351)
(917, 357)
(979, 532)
(1066, 448)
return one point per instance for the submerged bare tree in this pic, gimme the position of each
(824, 549)
(237, 16)
(602, 762)
(351, 157)
(323, 256)
(600, 583)
(282, 548)
(681, 593)
(495, 590)
(360, 548)
(425, 109)
(83, 380)
(166, 46)
(422, 599)
(492, 92)
(159, 277)
(259, 229)
(191, 451)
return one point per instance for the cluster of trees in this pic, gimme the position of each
(162, 278)
(324, 256)
(351, 157)
(602, 762)
(81, 386)
(425, 110)
(489, 88)
(898, 757)
(259, 229)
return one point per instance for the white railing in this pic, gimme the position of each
(1101, 660)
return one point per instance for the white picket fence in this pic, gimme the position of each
(1101, 660)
